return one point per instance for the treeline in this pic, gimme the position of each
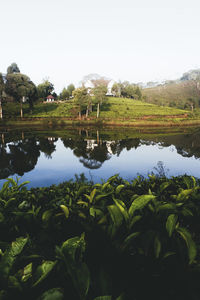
(18, 87)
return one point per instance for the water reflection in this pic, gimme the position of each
(20, 151)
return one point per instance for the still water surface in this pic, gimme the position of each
(51, 157)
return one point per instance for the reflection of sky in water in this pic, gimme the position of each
(64, 164)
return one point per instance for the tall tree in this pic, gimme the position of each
(100, 96)
(2, 87)
(45, 88)
(81, 99)
(70, 89)
(21, 88)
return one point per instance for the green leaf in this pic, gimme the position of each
(10, 255)
(157, 246)
(115, 214)
(65, 210)
(73, 250)
(140, 202)
(27, 272)
(43, 271)
(164, 185)
(167, 206)
(92, 194)
(183, 195)
(171, 224)
(129, 239)
(52, 294)
(134, 220)
(119, 188)
(192, 251)
(47, 215)
(122, 207)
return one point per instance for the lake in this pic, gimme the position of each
(46, 157)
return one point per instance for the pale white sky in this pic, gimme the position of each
(135, 40)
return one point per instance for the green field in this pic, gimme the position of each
(112, 109)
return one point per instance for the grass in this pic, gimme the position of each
(114, 111)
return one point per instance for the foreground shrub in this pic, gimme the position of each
(118, 240)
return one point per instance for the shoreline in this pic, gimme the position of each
(61, 122)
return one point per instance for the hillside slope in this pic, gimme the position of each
(181, 94)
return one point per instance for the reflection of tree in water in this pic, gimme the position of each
(118, 146)
(92, 154)
(18, 157)
(47, 146)
(22, 155)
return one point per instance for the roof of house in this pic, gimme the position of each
(50, 97)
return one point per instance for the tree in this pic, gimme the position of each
(70, 89)
(116, 89)
(100, 96)
(2, 87)
(64, 94)
(21, 88)
(44, 89)
(13, 68)
(81, 98)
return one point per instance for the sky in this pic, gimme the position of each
(134, 40)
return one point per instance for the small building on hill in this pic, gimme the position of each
(50, 98)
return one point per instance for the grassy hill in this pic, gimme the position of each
(113, 109)
(175, 94)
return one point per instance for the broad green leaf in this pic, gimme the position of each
(119, 188)
(192, 251)
(27, 272)
(171, 224)
(65, 209)
(167, 206)
(92, 194)
(116, 215)
(183, 195)
(140, 202)
(164, 185)
(70, 246)
(129, 239)
(122, 207)
(80, 202)
(47, 215)
(106, 185)
(43, 271)
(10, 255)
(134, 220)
(157, 246)
(73, 250)
(52, 294)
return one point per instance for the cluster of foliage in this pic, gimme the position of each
(115, 240)
(127, 90)
(67, 92)
(44, 89)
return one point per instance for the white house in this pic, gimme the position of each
(90, 85)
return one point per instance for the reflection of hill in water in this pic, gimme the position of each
(20, 154)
